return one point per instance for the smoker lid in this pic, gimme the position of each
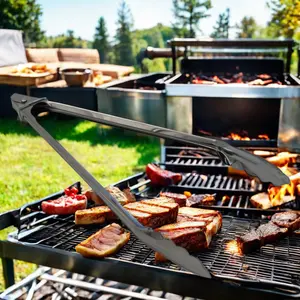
(12, 49)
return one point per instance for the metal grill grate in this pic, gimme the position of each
(277, 263)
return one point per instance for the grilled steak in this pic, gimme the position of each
(162, 177)
(270, 233)
(212, 218)
(123, 197)
(288, 219)
(94, 215)
(151, 213)
(264, 234)
(106, 241)
(180, 199)
(198, 200)
(249, 242)
(194, 229)
(189, 235)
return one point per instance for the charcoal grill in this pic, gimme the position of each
(271, 273)
(224, 108)
(50, 240)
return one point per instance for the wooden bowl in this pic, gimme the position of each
(76, 76)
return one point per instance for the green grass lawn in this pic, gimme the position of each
(31, 169)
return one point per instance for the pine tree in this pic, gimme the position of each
(123, 48)
(101, 40)
(188, 14)
(221, 30)
(247, 28)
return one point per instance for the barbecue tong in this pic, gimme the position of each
(28, 107)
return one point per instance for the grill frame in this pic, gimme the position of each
(170, 280)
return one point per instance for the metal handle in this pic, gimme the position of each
(178, 255)
(240, 159)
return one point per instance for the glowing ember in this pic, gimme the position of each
(233, 248)
(237, 137)
(263, 137)
(245, 137)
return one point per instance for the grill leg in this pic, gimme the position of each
(8, 272)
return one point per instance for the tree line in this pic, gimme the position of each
(126, 46)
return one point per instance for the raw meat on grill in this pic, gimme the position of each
(288, 219)
(180, 199)
(202, 199)
(65, 205)
(162, 177)
(105, 242)
(123, 197)
(151, 213)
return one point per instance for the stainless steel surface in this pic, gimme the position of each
(138, 105)
(148, 106)
(231, 91)
(180, 114)
(289, 125)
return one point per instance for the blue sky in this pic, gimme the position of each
(81, 15)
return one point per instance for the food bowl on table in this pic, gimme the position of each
(76, 76)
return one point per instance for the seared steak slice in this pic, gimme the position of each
(189, 235)
(197, 200)
(249, 242)
(270, 233)
(158, 213)
(106, 241)
(180, 199)
(288, 219)
(212, 218)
